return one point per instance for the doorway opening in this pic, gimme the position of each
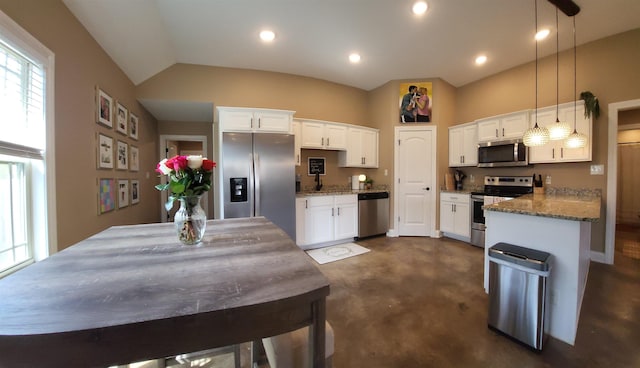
(612, 178)
(184, 145)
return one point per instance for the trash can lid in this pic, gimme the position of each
(526, 257)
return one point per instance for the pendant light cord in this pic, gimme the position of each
(557, 67)
(536, 23)
(575, 77)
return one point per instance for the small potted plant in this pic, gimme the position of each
(591, 105)
(368, 183)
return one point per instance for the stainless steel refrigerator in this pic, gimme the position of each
(258, 178)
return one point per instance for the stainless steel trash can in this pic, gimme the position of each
(517, 292)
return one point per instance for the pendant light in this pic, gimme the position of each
(575, 140)
(536, 136)
(558, 130)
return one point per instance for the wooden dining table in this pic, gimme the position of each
(133, 293)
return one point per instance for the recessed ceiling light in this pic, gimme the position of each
(267, 35)
(354, 58)
(420, 7)
(481, 59)
(542, 34)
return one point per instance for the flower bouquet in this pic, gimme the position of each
(188, 178)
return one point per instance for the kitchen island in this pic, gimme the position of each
(133, 293)
(559, 224)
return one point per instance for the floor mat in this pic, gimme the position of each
(336, 252)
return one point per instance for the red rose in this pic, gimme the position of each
(208, 165)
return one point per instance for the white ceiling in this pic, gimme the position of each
(315, 37)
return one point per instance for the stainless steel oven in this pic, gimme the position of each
(496, 189)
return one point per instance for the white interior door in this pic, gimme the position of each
(415, 192)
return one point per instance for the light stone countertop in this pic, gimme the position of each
(561, 206)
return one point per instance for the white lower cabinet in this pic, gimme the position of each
(326, 218)
(455, 218)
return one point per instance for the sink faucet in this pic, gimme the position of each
(318, 182)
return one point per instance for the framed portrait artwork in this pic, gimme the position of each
(135, 193)
(104, 108)
(415, 102)
(134, 158)
(123, 193)
(106, 195)
(105, 152)
(121, 118)
(133, 126)
(122, 153)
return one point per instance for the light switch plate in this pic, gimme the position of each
(597, 169)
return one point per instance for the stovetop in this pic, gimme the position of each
(507, 186)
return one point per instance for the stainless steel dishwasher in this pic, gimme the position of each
(373, 214)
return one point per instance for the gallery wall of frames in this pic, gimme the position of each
(117, 154)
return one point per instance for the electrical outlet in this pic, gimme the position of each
(597, 169)
(386, 172)
(472, 179)
(548, 179)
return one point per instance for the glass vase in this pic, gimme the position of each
(190, 220)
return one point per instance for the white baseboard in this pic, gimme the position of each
(598, 257)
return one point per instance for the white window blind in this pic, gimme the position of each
(21, 105)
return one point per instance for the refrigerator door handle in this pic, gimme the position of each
(256, 176)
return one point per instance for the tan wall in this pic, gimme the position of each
(80, 65)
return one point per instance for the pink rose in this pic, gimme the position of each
(177, 163)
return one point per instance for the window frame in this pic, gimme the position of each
(40, 178)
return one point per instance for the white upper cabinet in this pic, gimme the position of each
(554, 151)
(239, 119)
(463, 145)
(503, 127)
(323, 135)
(362, 150)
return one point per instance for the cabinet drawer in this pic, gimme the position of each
(346, 199)
(321, 200)
(454, 197)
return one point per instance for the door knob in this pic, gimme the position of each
(427, 188)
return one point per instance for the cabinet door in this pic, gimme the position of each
(272, 121)
(335, 136)
(456, 144)
(513, 126)
(301, 213)
(369, 148)
(550, 151)
(346, 216)
(312, 135)
(447, 224)
(583, 126)
(319, 219)
(354, 156)
(488, 129)
(296, 129)
(235, 120)
(462, 219)
(470, 145)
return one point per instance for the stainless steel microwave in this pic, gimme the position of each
(502, 153)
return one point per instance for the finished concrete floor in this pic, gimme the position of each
(419, 302)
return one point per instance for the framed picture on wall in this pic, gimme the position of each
(134, 159)
(121, 118)
(104, 108)
(123, 193)
(122, 153)
(133, 126)
(135, 193)
(106, 195)
(415, 103)
(105, 152)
